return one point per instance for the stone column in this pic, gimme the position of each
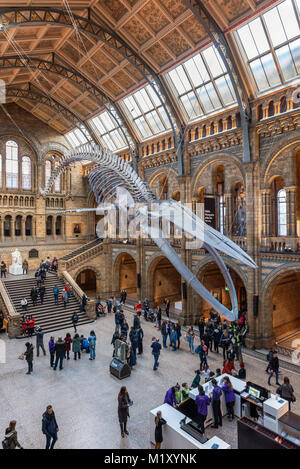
(2, 230)
(23, 228)
(291, 211)
(228, 216)
(54, 228)
(13, 229)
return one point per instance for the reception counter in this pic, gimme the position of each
(175, 437)
(239, 387)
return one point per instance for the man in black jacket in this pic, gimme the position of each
(49, 427)
(60, 348)
(274, 365)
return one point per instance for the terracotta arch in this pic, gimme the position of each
(266, 296)
(270, 158)
(153, 289)
(222, 159)
(120, 281)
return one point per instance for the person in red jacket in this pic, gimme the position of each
(229, 368)
(68, 341)
(139, 308)
(31, 326)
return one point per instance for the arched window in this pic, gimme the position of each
(281, 213)
(26, 173)
(48, 171)
(57, 180)
(12, 169)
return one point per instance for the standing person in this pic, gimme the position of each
(196, 380)
(216, 404)
(92, 345)
(50, 427)
(173, 338)
(167, 308)
(42, 292)
(140, 341)
(24, 304)
(191, 338)
(29, 357)
(274, 368)
(31, 326)
(74, 320)
(3, 269)
(34, 295)
(269, 359)
(158, 317)
(76, 346)
(55, 293)
(164, 333)
(216, 338)
(224, 342)
(159, 422)
(136, 322)
(124, 403)
(229, 397)
(178, 331)
(11, 437)
(83, 302)
(109, 305)
(68, 341)
(25, 267)
(65, 297)
(40, 342)
(202, 402)
(52, 350)
(124, 329)
(60, 348)
(156, 348)
(202, 351)
(286, 391)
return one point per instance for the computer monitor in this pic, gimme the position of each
(254, 392)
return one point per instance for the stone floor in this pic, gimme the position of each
(84, 394)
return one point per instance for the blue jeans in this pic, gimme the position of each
(156, 357)
(92, 353)
(191, 343)
(271, 375)
(60, 360)
(49, 444)
(56, 299)
(165, 341)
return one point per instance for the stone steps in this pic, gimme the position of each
(82, 249)
(49, 316)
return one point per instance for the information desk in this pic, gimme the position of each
(239, 387)
(273, 409)
(176, 438)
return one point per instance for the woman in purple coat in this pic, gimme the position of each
(229, 397)
(170, 397)
(202, 403)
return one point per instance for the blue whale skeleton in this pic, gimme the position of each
(113, 177)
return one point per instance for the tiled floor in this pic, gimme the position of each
(84, 394)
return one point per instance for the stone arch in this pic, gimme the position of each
(125, 277)
(238, 273)
(285, 144)
(267, 290)
(53, 147)
(172, 290)
(222, 159)
(171, 176)
(90, 283)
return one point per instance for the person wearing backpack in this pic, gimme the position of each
(286, 391)
(74, 320)
(55, 293)
(92, 345)
(201, 350)
(11, 437)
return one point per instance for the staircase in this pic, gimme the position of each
(49, 316)
(82, 249)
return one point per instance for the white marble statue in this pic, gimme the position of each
(16, 267)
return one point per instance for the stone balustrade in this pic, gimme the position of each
(14, 318)
(78, 293)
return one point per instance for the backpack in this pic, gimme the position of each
(75, 318)
(6, 441)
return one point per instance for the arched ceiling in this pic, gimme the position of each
(160, 34)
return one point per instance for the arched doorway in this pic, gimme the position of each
(87, 282)
(214, 282)
(125, 275)
(163, 281)
(284, 308)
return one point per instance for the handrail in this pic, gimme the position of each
(14, 326)
(68, 264)
(78, 293)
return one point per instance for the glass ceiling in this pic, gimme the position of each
(108, 131)
(271, 45)
(202, 84)
(146, 113)
(76, 137)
